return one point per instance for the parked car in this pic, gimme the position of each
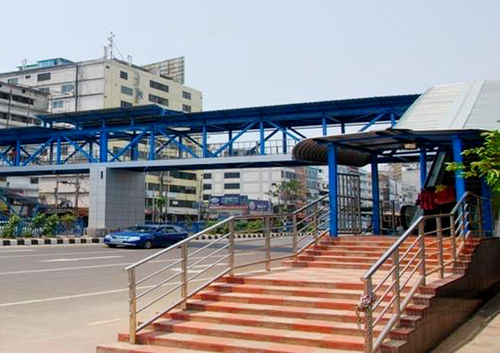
(146, 236)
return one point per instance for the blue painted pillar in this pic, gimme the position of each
(103, 146)
(457, 158)
(324, 127)
(261, 138)
(342, 128)
(230, 137)
(152, 146)
(423, 167)
(375, 196)
(486, 208)
(180, 150)
(58, 151)
(204, 141)
(285, 147)
(17, 161)
(332, 182)
(134, 149)
(91, 149)
(393, 119)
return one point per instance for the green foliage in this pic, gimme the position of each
(37, 224)
(10, 229)
(68, 218)
(51, 222)
(486, 161)
(287, 192)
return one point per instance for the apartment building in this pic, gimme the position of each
(256, 184)
(108, 83)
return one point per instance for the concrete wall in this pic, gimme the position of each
(116, 199)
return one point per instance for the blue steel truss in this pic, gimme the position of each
(150, 132)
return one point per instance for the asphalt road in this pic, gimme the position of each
(57, 299)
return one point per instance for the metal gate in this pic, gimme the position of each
(349, 204)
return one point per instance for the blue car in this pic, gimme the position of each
(146, 236)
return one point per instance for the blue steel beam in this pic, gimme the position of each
(457, 158)
(423, 167)
(375, 196)
(332, 181)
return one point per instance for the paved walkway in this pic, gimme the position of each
(481, 334)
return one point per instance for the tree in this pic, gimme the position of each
(287, 193)
(486, 161)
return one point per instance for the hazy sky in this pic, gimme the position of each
(244, 53)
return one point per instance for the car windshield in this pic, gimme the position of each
(140, 229)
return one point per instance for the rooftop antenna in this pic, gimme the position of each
(110, 44)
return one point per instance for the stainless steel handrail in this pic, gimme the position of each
(315, 219)
(460, 227)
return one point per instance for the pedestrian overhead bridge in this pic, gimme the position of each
(150, 138)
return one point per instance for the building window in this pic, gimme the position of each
(12, 81)
(182, 203)
(124, 75)
(33, 180)
(186, 95)
(57, 104)
(231, 175)
(159, 100)
(27, 77)
(44, 89)
(182, 175)
(127, 90)
(186, 108)
(67, 88)
(207, 186)
(125, 104)
(207, 176)
(158, 86)
(43, 77)
(232, 186)
(206, 197)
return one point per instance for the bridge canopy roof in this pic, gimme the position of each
(344, 111)
(391, 145)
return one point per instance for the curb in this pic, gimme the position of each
(49, 241)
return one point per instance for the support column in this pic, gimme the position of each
(487, 221)
(324, 126)
(230, 137)
(17, 161)
(152, 146)
(103, 147)
(457, 158)
(375, 197)
(332, 182)
(262, 146)
(423, 167)
(205, 142)
(134, 149)
(285, 147)
(110, 207)
(58, 151)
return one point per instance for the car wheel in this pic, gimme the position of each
(111, 245)
(147, 245)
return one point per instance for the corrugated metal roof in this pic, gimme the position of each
(463, 105)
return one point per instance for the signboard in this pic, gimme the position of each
(228, 201)
(259, 206)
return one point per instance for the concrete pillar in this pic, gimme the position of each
(117, 199)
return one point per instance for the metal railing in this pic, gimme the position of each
(391, 283)
(155, 288)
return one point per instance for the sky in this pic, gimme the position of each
(248, 53)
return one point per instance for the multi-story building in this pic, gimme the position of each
(258, 184)
(18, 107)
(109, 83)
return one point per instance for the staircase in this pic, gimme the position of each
(306, 306)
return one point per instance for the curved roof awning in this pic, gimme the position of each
(391, 145)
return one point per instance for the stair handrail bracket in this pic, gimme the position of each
(147, 287)
(392, 282)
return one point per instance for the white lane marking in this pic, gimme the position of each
(14, 250)
(83, 295)
(102, 322)
(83, 258)
(96, 266)
(60, 254)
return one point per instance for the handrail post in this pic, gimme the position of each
(396, 290)
(231, 247)
(267, 234)
(184, 274)
(132, 306)
(315, 222)
(440, 247)
(368, 318)
(422, 249)
(453, 240)
(294, 234)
